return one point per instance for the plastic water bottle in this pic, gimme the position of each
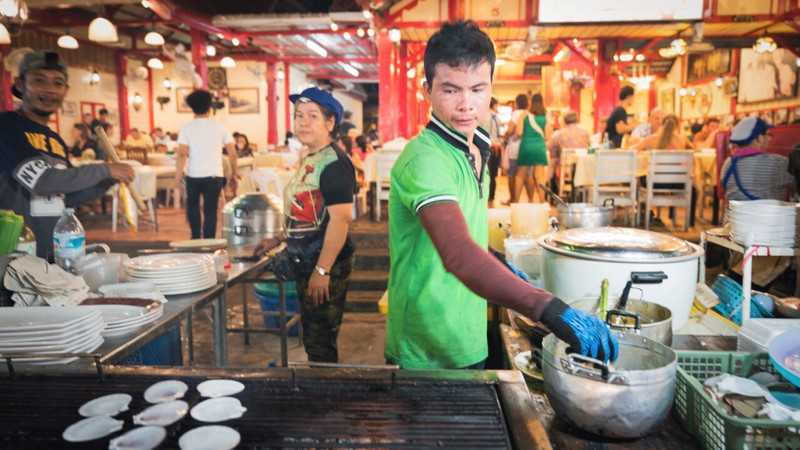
(69, 240)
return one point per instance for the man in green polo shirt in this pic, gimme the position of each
(441, 271)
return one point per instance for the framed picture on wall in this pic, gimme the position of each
(767, 76)
(243, 100)
(69, 108)
(711, 64)
(180, 100)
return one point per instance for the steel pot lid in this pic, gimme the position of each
(618, 243)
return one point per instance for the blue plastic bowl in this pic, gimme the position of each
(787, 343)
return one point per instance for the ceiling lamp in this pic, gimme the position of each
(719, 81)
(640, 57)
(360, 32)
(235, 42)
(280, 75)
(349, 69)
(347, 35)
(394, 35)
(367, 14)
(667, 52)
(765, 44)
(5, 38)
(67, 41)
(334, 27)
(679, 46)
(14, 9)
(371, 32)
(316, 48)
(682, 92)
(211, 51)
(411, 73)
(102, 30)
(626, 57)
(155, 63)
(146, 4)
(154, 38)
(227, 62)
(167, 83)
(94, 78)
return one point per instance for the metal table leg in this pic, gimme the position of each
(284, 330)
(220, 319)
(244, 313)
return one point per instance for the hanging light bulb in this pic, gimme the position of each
(360, 32)
(394, 35)
(102, 30)
(67, 41)
(367, 14)
(280, 75)
(154, 38)
(679, 46)
(765, 44)
(235, 42)
(347, 35)
(227, 62)
(334, 27)
(640, 57)
(155, 63)
(411, 73)
(167, 83)
(5, 38)
(13, 8)
(370, 32)
(94, 78)
(719, 81)
(211, 51)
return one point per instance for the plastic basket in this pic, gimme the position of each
(708, 422)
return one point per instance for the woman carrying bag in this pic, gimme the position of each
(532, 160)
(318, 205)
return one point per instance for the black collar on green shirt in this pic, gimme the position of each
(458, 140)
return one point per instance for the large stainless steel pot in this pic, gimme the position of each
(585, 215)
(624, 400)
(249, 218)
(649, 319)
(576, 261)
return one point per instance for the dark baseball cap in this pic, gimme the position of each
(323, 99)
(47, 60)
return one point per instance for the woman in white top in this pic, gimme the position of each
(512, 144)
(202, 141)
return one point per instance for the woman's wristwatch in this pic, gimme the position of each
(320, 270)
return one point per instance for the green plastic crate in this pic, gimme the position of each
(708, 422)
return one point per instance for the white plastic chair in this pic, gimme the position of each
(145, 185)
(615, 178)
(565, 168)
(672, 167)
(384, 161)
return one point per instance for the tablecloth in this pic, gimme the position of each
(585, 165)
(271, 180)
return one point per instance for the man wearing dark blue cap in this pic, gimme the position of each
(36, 178)
(751, 173)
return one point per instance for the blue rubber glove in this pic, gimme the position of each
(522, 275)
(585, 333)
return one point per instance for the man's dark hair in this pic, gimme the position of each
(103, 112)
(492, 102)
(711, 120)
(537, 105)
(347, 115)
(696, 127)
(456, 44)
(361, 142)
(200, 101)
(521, 101)
(625, 92)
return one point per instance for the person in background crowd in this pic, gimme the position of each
(137, 139)
(364, 147)
(372, 134)
(243, 148)
(512, 139)
(497, 148)
(570, 137)
(555, 120)
(102, 119)
(751, 173)
(318, 207)
(694, 130)
(649, 128)
(668, 138)
(82, 142)
(201, 141)
(707, 136)
(37, 180)
(441, 272)
(160, 137)
(534, 131)
(619, 122)
(347, 124)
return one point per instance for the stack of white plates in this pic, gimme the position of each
(763, 222)
(49, 330)
(174, 273)
(125, 315)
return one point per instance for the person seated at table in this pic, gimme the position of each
(81, 142)
(137, 139)
(649, 128)
(243, 148)
(707, 136)
(751, 173)
(349, 148)
(364, 147)
(573, 135)
(668, 138)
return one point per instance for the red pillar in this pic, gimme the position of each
(388, 116)
(198, 55)
(575, 98)
(652, 98)
(402, 95)
(606, 86)
(272, 106)
(121, 66)
(150, 99)
(6, 81)
(287, 110)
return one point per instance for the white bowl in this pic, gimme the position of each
(107, 405)
(162, 414)
(210, 437)
(218, 409)
(92, 428)
(165, 391)
(142, 438)
(219, 388)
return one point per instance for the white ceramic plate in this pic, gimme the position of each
(44, 318)
(56, 347)
(118, 313)
(90, 347)
(149, 317)
(169, 261)
(162, 414)
(188, 289)
(34, 338)
(137, 289)
(142, 438)
(165, 391)
(218, 409)
(219, 388)
(199, 243)
(107, 405)
(91, 428)
(210, 437)
(157, 277)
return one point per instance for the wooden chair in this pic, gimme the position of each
(137, 154)
(615, 178)
(669, 182)
(384, 161)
